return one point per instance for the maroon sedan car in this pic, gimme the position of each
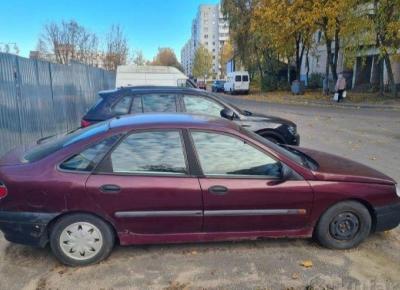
(169, 178)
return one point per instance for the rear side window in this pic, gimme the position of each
(149, 152)
(245, 78)
(90, 157)
(238, 78)
(159, 103)
(123, 106)
(56, 143)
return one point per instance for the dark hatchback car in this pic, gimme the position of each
(173, 178)
(218, 86)
(133, 100)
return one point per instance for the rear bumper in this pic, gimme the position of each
(28, 228)
(387, 217)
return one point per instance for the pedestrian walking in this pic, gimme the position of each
(340, 87)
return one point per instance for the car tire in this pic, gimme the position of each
(344, 225)
(72, 235)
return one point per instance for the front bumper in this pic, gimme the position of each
(293, 140)
(28, 228)
(387, 217)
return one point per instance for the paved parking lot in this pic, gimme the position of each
(366, 135)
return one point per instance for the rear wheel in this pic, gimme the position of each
(81, 239)
(344, 225)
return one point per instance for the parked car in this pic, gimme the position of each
(202, 85)
(170, 178)
(237, 82)
(133, 100)
(218, 86)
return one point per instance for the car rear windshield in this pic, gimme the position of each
(245, 78)
(96, 105)
(47, 146)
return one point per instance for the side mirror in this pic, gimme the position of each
(227, 114)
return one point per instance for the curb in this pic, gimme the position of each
(326, 104)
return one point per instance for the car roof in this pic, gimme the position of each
(171, 120)
(150, 88)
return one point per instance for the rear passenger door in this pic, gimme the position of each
(155, 102)
(146, 186)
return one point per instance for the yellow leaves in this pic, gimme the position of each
(306, 263)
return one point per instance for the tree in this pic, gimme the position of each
(166, 57)
(331, 17)
(386, 24)
(116, 48)
(138, 58)
(202, 63)
(226, 54)
(68, 41)
(249, 48)
(289, 27)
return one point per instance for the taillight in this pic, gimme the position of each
(3, 190)
(85, 123)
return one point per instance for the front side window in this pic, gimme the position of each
(150, 152)
(90, 157)
(159, 103)
(220, 154)
(123, 106)
(199, 105)
(238, 78)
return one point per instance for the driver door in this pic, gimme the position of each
(242, 187)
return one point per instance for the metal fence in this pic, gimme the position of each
(39, 98)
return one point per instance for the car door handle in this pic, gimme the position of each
(110, 188)
(218, 190)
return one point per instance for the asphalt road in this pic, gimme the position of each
(367, 135)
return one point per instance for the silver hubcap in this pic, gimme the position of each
(81, 241)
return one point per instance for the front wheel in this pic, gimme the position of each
(344, 225)
(81, 239)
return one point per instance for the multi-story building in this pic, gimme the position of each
(211, 30)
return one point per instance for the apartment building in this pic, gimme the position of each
(210, 29)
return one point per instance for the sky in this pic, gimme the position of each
(148, 24)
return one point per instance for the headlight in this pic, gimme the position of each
(398, 190)
(292, 130)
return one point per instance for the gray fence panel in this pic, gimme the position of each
(39, 99)
(9, 112)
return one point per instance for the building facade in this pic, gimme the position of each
(211, 30)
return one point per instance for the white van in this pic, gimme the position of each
(237, 82)
(133, 75)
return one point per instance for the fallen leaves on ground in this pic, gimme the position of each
(306, 263)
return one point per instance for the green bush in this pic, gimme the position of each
(315, 81)
(269, 83)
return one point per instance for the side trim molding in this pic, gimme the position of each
(164, 213)
(254, 212)
(195, 213)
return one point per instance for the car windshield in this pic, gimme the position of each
(290, 152)
(47, 146)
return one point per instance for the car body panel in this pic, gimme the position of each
(180, 209)
(263, 124)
